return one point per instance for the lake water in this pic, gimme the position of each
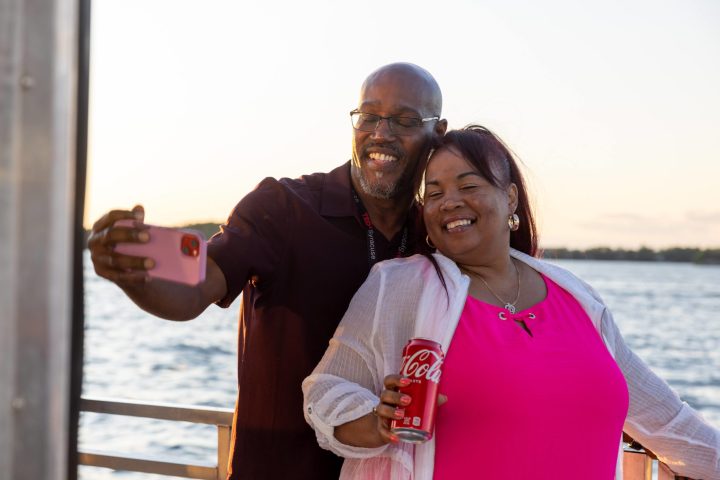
(668, 314)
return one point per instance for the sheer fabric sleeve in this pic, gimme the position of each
(660, 420)
(344, 385)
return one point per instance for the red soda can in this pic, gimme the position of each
(422, 362)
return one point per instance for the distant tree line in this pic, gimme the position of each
(208, 229)
(643, 254)
(677, 254)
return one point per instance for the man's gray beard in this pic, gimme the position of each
(377, 190)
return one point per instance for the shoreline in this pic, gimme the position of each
(699, 256)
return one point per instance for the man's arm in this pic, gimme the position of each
(174, 301)
(164, 299)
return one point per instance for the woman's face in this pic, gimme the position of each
(466, 216)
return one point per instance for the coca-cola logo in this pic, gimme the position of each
(423, 364)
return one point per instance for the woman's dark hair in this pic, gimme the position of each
(491, 157)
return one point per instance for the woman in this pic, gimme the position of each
(538, 380)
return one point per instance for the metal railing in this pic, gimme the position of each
(638, 465)
(220, 417)
(637, 462)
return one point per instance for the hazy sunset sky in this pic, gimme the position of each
(613, 106)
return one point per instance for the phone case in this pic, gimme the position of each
(180, 255)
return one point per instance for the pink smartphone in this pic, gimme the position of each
(180, 255)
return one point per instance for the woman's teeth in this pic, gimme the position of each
(457, 223)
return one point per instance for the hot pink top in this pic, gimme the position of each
(547, 406)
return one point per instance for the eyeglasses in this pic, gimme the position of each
(368, 122)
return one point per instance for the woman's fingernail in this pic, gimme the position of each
(143, 236)
(148, 263)
(399, 413)
(405, 399)
(394, 438)
(404, 382)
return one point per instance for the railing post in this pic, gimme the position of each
(223, 450)
(636, 466)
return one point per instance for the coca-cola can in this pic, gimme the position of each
(422, 363)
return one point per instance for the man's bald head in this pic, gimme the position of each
(405, 103)
(415, 79)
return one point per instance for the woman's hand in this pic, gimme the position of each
(373, 429)
(392, 406)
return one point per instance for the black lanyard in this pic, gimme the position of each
(372, 252)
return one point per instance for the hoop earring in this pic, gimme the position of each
(429, 242)
(513, 222)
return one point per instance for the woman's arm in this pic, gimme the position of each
(349, 381)
(363, 432)
(339, 394)
(660, 420)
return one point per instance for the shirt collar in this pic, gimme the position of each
(336, 197)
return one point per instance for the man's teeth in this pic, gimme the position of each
(382, 157)
(457, 223)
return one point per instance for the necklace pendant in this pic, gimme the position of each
(510, 307)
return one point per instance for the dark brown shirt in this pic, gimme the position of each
(298, 252)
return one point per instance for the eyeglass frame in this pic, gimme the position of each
(389, 121)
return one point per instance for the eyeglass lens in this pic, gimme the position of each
(368, 122)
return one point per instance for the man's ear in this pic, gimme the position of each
(441, 127)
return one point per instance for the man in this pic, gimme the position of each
(298, 250)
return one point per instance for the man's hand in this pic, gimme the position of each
(124, 270)
(162, 298)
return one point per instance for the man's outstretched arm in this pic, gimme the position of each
(169, 300)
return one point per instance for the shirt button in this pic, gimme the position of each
(310, 410)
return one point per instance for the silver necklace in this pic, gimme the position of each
(509, 306)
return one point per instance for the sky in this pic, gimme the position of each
(613, 107)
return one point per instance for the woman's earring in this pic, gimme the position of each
(513, 222)
(429, 243)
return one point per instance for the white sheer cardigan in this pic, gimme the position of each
(404, 298)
